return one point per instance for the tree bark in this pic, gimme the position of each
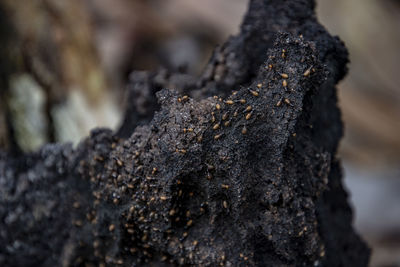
(248, 177)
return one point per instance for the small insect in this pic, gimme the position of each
(248, 116)
(307, 73)
(179, 99)
(144, 238)
(242, 101)
(96, 243)
(229, 102)
(195, 242)
(259, 85)
(248, 108)
(235, 114)
(225, 204)
(225, 116)
(218, 106)
(254, 93)
(284, 75)
(284, 83)
(216, 126)
(99, 158)
(185, 97)
(244, 130)
(227, 123)
(287, 101)
(189, 223)
(119, 163)
(218, 136)
(111, 227)
(210, 167)
(279, 103)
(123, 189)
(163, 198)
(225, 186)
(154, 171)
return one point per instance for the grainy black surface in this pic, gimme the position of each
(246, 178)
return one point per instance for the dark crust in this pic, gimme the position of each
(181, 187)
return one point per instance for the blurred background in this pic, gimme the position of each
(68, 63)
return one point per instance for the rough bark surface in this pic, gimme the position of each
(246, 178)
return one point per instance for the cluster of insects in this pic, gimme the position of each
(228, 111)
(129, 175)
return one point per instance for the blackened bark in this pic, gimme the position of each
(243, 178)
